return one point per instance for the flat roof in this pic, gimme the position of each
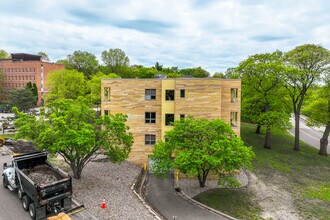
(25, 57)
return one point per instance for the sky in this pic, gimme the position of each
(213, 34)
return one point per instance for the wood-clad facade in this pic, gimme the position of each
(151, 104)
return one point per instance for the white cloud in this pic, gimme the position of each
(212, 34)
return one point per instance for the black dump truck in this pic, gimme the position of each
(43, 188)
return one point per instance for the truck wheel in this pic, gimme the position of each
(26, 202)
(5, 181)
(32, 211)
(20, 193)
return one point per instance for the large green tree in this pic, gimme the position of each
(318, 111)
(34, 89)
(66, 84)
(306, 64)
(115, 59)
(263, 99)
(201, 146)
(84, 62)
(72, 129)
(23, 99)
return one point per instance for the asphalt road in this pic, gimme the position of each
(161, 195)
(10, 205)
(309, 135)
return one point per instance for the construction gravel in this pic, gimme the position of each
(112, 182)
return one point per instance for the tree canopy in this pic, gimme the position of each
(318, 111)
(263, 99)
(72, 129)
(23, 99)
(116, 59)
(197, 72)
(66, 84)
(84, 62)
(201, 146)
(306, 64)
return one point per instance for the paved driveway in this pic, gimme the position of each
(308, 134)
(161, 195)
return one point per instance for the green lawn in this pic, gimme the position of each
(308, 176)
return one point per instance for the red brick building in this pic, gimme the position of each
(22, 68)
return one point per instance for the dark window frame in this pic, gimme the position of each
(169, 121)
(150, 94)
(233, 94)
(150, 117)
(182, 93)
(149, 139)
(107, 93)
(234, 119)
(169, 94)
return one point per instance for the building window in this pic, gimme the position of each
(150, 117)
(182, 93)
(107, 91)
(150, 139)
(106, 112)
(233, 93)
(182, 116)
(169, 95)
(150, 94)
(169, 119)
(233, 119)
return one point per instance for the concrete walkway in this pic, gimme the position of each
(161, 195)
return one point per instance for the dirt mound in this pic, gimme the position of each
(41, 175)
(20, 146)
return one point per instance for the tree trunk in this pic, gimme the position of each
(267, 144)
(296, 146)
(202, 178)
(324, 141)
(77, 170)
(258, 130)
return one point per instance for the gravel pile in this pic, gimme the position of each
(41, 175)
(191, 186)
(113, 182)
(42, 179)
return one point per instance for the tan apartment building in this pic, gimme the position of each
(152, 104)
(22, 68)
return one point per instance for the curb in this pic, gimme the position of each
(142, 178)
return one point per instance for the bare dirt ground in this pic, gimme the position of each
(276, 203)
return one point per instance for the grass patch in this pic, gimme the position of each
(319, 192)
(306, 172)
(236, 202)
